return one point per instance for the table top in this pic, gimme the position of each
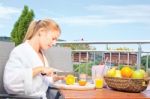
(104, 93)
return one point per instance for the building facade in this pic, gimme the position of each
(124, 58)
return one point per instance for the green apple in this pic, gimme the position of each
(118, 74)
(137, 74)
(141, 70)
(111, 72)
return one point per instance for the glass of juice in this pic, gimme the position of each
(99, 82)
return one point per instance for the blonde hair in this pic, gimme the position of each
(34, 26)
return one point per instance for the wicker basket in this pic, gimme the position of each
(127, 84)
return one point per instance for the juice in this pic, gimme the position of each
(99, 83)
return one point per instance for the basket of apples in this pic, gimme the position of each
(127, 79)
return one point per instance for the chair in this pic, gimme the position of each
(60, 58)
(5, 49)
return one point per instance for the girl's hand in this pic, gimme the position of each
(47, 71)
(56, 78)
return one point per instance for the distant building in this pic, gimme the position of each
(5, 38)
(81, 56)
(125, 58)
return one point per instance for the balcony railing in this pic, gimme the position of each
(137, 51)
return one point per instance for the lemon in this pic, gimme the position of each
(70, 79)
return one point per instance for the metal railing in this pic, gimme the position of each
(138, 43)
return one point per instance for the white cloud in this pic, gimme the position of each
(134, 10)
(111, 14)
(7, 12)
(136, 13)
(90, 20)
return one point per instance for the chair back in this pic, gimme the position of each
(5, 49)
(60, 58)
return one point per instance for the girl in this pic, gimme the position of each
(26, 66)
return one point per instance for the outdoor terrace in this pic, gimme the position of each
(90, 58)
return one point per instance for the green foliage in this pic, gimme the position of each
(78, 46)
(120, 49)
(120, 66)
(144, 59)
(84, 67)
(21, 25)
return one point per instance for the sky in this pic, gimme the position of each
(92, 20)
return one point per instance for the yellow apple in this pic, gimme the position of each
(118, 74)
(111, 72)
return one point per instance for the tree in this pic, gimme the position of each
(144, 59)
(21, 25)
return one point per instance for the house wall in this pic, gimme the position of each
(123, 58)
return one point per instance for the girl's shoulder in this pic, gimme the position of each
(20, 48)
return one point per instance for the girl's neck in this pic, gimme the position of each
(35, 44)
